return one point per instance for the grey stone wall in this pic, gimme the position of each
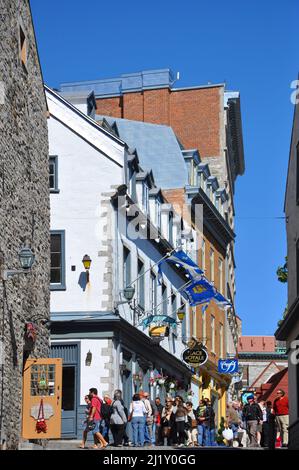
(24, 208)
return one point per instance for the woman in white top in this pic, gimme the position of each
(138, 420)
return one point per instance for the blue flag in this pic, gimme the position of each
(182, 260)
(200, 292)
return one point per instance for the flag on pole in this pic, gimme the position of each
(200, 292)
(182, 260)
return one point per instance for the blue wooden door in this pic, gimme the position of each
(69, 354)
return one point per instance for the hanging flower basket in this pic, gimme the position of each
(152, 382)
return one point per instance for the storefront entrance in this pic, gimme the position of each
(69, 352)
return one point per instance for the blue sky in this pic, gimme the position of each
(252, 46)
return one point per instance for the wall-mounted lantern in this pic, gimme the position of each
(181, 314)
(86, 263)
(128, 294)
(88, 359)
(26, 258)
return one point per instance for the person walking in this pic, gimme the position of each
(233, 418)
(200, 420)
(106, 415)
(266, 410)
(157, 418)
(209, 423)
(167, 422)
(94, 418)
(281, 411)
(137, 416)
(118, 419)
(149, 422)
(180, 418)
(252, 415)
(87, 400)
(191, 425)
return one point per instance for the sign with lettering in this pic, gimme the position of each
(195, 356)
(228, 366)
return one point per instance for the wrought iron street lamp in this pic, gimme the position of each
(26, 258)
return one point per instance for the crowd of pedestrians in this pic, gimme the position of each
(179, 424)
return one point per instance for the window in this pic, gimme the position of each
(23, 48)
(194, 323)
(42, 381)
(145, 197)
(173, 304)
(212, 265)
(212, 333)
(184, 323)
(204, 326)
(127, 266)
(132, 183)
(158, 213)
(53, 174)
(170, 228)
(140, 284)
(164, 299)
(220, 269)
(221, 353)
(153, 291)
(297, 172)
(203, 255)
(57, 272)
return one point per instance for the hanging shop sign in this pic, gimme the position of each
(228, 366)
(195, 355)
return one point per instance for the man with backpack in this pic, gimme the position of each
(252, 415)
(94, 418)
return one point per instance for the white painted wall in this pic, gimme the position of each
(90, 376)
(84, 174)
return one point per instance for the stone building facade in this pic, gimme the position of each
(24, 207)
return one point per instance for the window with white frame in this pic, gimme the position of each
(170, 227)
(213, 333)
(153, 292)
(126, 266)
(184, 322)
(221, 346)
(212, 265)
(164, 299)
(145, 193)
(158, 213)
(203, 254)
(140, 284)
(220, 269)
(132, 183)
(173, 304)
(204, 325)
(194, 322)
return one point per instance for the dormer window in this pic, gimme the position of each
(158, 214)
(132, 183)
(145, 192)
(170, 228)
